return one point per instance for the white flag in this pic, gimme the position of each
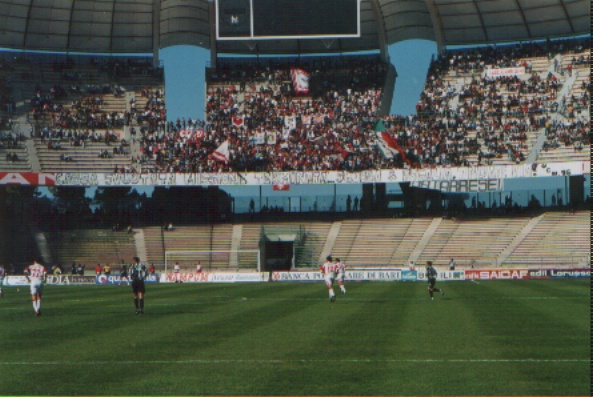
(222, 153)
(300, 80)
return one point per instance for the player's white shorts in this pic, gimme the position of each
(329, 280)
(36, 287)
(341, 277)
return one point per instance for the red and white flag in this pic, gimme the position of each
(238, 121)
(300, 80)
(222, 153)
(281, 186)
(199, 135)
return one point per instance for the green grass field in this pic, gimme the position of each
(508, 338)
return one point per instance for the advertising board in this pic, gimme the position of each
(214, 277)
(70, 280)
(116, 280)
(496, 274)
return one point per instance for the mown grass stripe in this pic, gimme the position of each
(284, 361)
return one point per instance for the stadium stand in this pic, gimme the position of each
(481, 239)
(154, 243)
(550, 239)
(464, 117)
(90, 246)
(81, 111)
(268, 126)
(215, 239)
(557, 239)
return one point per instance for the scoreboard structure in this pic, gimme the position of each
(287, 19)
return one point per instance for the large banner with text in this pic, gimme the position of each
(465, 179)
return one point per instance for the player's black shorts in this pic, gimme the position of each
(431, 282)
(138, 286)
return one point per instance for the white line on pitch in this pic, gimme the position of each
(282, 361)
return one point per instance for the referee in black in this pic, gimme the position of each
(431, 275)
(138, 274)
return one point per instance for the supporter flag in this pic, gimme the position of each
(281, 186)
(386, 152)
(345, 153)
(238, 121)
(222, 153)
(388, 144)
(300, 80)
(271, 137)
(290, 122)
(257, 138)
(199, 135)
(318, 119)
(383, 143)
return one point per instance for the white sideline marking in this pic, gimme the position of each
(272, 361)
(475, 282)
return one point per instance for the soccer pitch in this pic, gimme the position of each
(528, 337)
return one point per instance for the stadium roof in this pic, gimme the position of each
(142, 26)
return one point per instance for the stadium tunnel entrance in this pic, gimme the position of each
(278, 252)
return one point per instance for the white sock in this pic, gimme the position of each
(342, 288)
(38, 304)
(331, 293)
(35, 306)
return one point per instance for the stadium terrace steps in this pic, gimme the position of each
(154, 243)
(317, 233)
(83, 159)
(235, 244)
(250, 237)
(468, 240)
(414, 230)
(556, 238)
(140, 243)
(21, 165)
(424, 239)
(209, 238)
(518, 238)
(376, 241)
(541, 66)
(90, 246)
(564, 153)
(330, 242)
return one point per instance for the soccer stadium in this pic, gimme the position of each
(295, 198)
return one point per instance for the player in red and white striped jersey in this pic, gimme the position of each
(328, 269)
(35, 275)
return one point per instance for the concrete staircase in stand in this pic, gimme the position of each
(140, 245)
(517, 240)
(43, 247)
(331, 240)
(235, 244)
(424, 240)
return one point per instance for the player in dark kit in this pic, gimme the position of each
(431, 276)
(138, 274)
